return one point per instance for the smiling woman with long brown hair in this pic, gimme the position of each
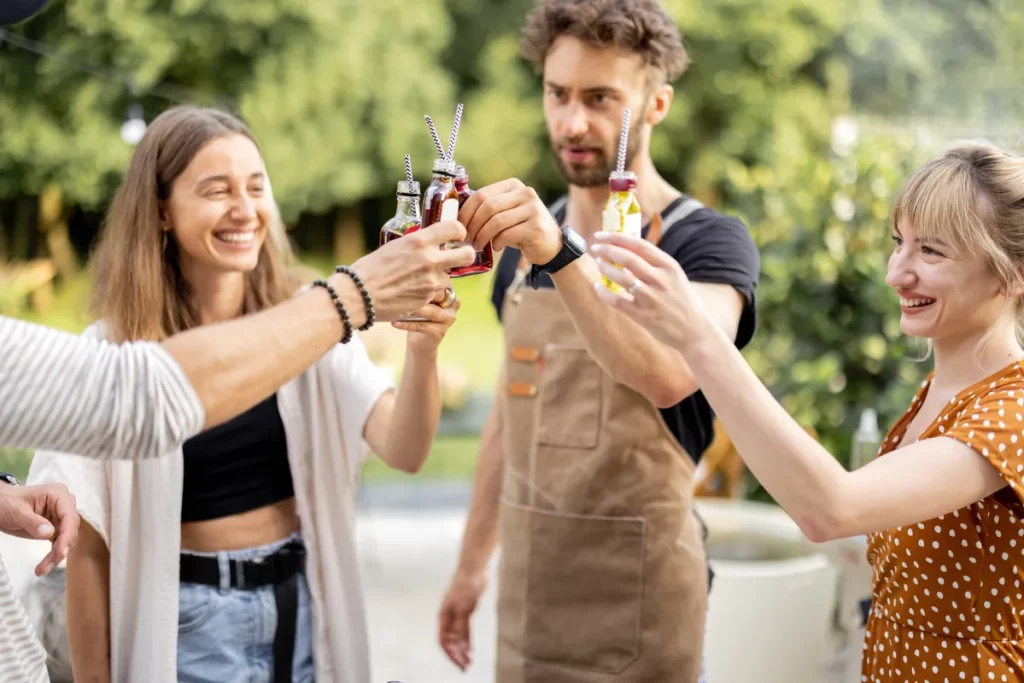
(140, 290)
(248, 529)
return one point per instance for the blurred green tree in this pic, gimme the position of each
(335, 94)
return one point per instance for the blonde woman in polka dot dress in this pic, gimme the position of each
(942, 503)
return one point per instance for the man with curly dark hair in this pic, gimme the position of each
(587, 462)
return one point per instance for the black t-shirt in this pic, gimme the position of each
(711, 247)
(237, 466)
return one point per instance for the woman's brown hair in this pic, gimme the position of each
(138, 290)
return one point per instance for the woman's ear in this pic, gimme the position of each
(165, 219)
(1014, 290)
(1014, 293)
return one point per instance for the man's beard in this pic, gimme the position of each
(597, 174)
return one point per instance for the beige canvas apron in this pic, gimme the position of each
(603, 576)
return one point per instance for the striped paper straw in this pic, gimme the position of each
(623, 141)
(433, 136)
(455, 132)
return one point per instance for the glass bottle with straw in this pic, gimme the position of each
(622, 210)
(407, 217)
(484, 260)
(440, 199)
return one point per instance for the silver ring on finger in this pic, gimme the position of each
(633, 287)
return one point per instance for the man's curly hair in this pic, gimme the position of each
(640, 26)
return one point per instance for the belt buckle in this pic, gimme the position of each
(291, 555)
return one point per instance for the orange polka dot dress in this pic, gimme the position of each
(947, 594)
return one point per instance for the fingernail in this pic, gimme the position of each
(596, 248)
(45, 530)
(602, 235)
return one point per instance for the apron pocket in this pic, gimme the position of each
(569, 404)
(575, 587)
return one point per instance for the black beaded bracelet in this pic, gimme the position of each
(345, 319)
(367, 301)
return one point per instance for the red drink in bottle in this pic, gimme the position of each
(462, 185)
(441, 199)
(485, 257)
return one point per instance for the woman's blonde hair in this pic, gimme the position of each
(139, 291)
(972, 198)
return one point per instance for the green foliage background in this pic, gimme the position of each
(336, 91)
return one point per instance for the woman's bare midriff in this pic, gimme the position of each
(257, 527)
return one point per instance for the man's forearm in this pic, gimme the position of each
(234, 365)
(481, 534)
(623, 348)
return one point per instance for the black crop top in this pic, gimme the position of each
(237, 466)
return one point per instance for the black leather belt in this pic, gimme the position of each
(279, 570)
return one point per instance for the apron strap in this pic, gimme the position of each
(676, 216)
(557, 209)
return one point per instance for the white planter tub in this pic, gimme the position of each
(773, 599)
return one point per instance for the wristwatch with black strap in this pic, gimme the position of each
(573, 246)
(8, 478)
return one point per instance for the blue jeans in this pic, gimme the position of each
(226, 635)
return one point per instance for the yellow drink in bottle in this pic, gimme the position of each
(621, 212)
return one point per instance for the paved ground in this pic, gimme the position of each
(407, 561)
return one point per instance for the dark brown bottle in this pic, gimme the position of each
(441, 199)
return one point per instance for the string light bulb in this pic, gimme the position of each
(134, 126)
